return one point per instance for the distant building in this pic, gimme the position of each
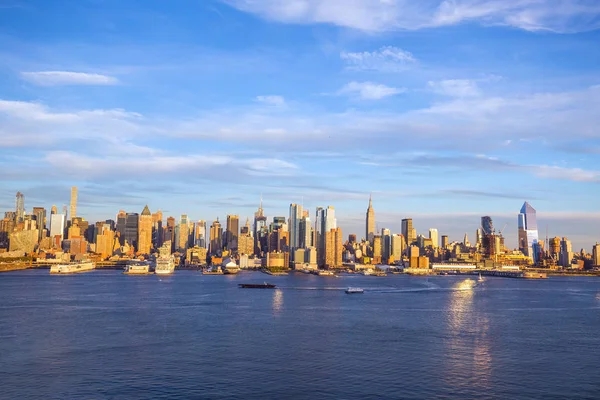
(131, 229)
(261, 231)
(596, 255)
(73, 209)
(370, 222)
(246, 241)
(57, 225)
(566, 252)
(294, 225)
(20, 207)
(333, 248)
(183, 234)
(434, 236)
(445, 241)
(528, 232)
(216, 241)
(397, 247)
(232, 232)
(487, 226)
(408, 231)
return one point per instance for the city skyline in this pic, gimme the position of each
(444, 115)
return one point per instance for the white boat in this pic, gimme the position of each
(164, 266)
(354, 290)
(72, 268)
(367, 272)
(324, 272)
(481, 278)
(137, 268)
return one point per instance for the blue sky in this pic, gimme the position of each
(444, 110)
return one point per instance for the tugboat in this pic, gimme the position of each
(354, 290)
(256, 285)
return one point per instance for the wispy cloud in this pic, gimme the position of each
(386, 59)
(58, 78)
(271, 100)
(386, 15)
(455, 87)
(368, 90)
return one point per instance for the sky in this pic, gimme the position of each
(444, 111)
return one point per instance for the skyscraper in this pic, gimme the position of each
(397, 247)
(305, 232)
(54, 210)
(57, 225)
(261, 231)
(333, 248)
(131, 229)
(183, 238)
(408, 231)
(566, 252)
(596, 255)
(145, 231)
(528, 232)
(40, 218)
(330, 220)
(232, 233)
(73, 210)
(20, 207)
(121, 221)
(386, 245)
(320, 235)
(294, 225)
(200, 234)
(216, 243)
(434, 236)
(370, 222)
(487, 226)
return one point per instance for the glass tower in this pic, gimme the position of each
(528, 232)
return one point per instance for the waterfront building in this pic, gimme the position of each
(73, 209)
(434, 236)
(408, 231)
(528, 232)
(145, 231)
(333, 248)
(596, 255)
(216, 243)
(20, 207)
(232, 232)
(131, 230)
(370, 222)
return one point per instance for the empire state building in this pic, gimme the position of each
(370, 228)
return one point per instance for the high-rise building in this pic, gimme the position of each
(131, 229)
(408, 231)
(121, 222)
(200, 234)
(40, 217)
(466, 242)
(444, 241)
(216, 243)
(232, 233)
(554, 248)
(487, 226)
(53, 210)
(157, 229)
(370, 222)
(306, 233)
(333, 248)
(105, 242)
(528, 232)
(434, 236)
(294, 225)
(183, 234)
(20, 207)
(397, 247)
(145, 231)
(386, 245)
(57, 225)
(330, 220)
(261, 231)
(73, 209)
(566, 252)
(596, 255)
(246, 241)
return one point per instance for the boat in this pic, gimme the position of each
(367, 272)
(324, 272)
(481, 278)
(256, 285)
(164, 266)
(137, 268)
(72, 268)
(353, 290)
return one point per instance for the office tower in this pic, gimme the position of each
(444, 241)
(20, 207)
(566, 252)
(330, 220)
(200, 234)
(386, 245)
(216, 244)
(57, 225)
(183, 234)
(232, 233)
(333, 248)
(408, 231)
(487, 226)
(261, 231)
(370, 222)
(479, 237)
(246, 241)
(320, 235)
(528, 232)
(397, 247)
(294, 225)
(466, 242)
(377, 249)
(121, 221)
(434, 236)
(40, 217)
(305, 232)
(105, 242)
(157, 229)
(169, 232)
(554, 248)
(596, 255)
(73, 209)
(145, 231)
(131, 229)
(54, 210)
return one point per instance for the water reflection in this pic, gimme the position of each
(277, 301)
(468, 356)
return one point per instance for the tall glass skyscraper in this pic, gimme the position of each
(528, 232)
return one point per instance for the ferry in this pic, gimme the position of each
(324, 272)
(353, 290)
(164, 266)
(137, 268)
(72, 268)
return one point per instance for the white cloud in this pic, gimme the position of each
(455, 87)
(369, 90)
(386, 59)
(271, 100)
(57, 78)
(386, 15)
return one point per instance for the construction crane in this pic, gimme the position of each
(502, 230)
